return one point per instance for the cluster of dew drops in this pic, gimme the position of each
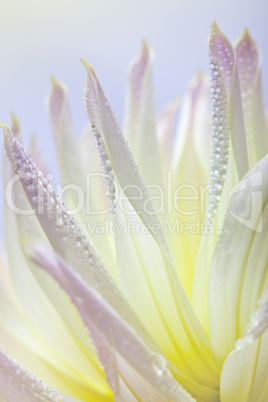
(220, 140)
(39, 390)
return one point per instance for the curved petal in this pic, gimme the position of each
(21, 338)
(64, 233)
(117, 158)
(18, 385)
(156, 295)
(245, 371)
(53, 318)
(118, 347)
(240, 261)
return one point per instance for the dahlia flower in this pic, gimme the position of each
(168, 275)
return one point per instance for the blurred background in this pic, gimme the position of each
(43, 38)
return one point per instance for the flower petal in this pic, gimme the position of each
(239, 266)
(64, 233)
(189, 166)
(165, 128)
(117, 345)
(46, 314)
(223, 62)
(249, 70)
(18, 385)
(114, 148)
(140, 118)
(157, 297)
(245, 371)
(74, 178)
(229, 160)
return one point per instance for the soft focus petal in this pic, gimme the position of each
(249, 65)
(18, 385)
(140, 118)
(189, 167)
(239, 266)
(245, 371)
(118, 346)
(165, 128)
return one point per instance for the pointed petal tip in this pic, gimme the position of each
(245, 33)
(54, 82)
(245, 38)
(215, 32)
(145, 46)
(214, 28)
(88, 66)
(5, 129)
(14, 118)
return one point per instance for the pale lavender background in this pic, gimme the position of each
(43, 38)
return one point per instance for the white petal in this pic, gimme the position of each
(239, 266)
(245, 371)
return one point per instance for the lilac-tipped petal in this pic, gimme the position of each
(249, 70)
(140, 118)
(229, 159)
(113, 147)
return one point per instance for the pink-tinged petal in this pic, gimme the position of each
(74, 174)
(165, 127)
(239, 266)
(117, 158)
(16, 384)
(140, 118)
(249, 70)
(245, 371)
(226, 85)
(229, 160)
(62, 230)
(118, 346)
